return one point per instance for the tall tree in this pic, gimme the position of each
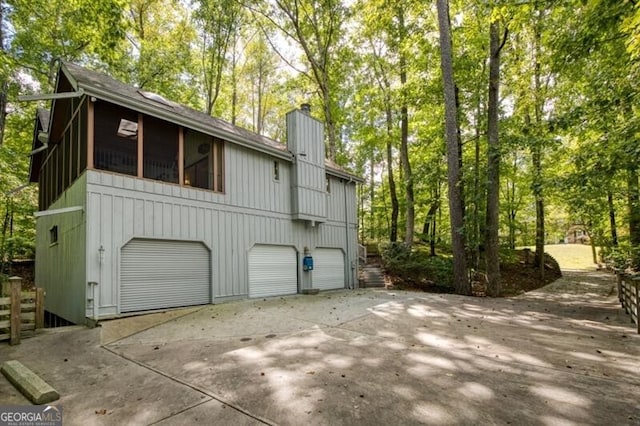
(316, 27)
(261, 70)
(158, 31)
(537, 161)
(82, 30)
(598, 75)
(5, 71)
(381, 40)
(404, 128)
(218, 22)
(460, 279)
(492, 243)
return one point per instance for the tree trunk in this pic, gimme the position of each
(4, 88)
(4, 84)
(330, 125)
(476, 189)
(3, 243)
(234, 88)
(428, 221)
(460, 279)
(612, 219)
(512, 229)
(404, 138)
(513, 210)
(434, 220)
(432, 237)
(491, 243)
(537, 152)
(463, 204)
(633, 198)
(393, 231)
(372, 193)
(537, 192)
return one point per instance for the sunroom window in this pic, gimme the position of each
(202, 161)
(120, 135)
(160, 147)
(115, 141)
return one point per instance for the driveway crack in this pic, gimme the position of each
(199, 389)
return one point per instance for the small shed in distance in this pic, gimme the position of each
(577, 234)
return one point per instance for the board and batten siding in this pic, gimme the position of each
(305, 140)
(60, 267)
(255, 209)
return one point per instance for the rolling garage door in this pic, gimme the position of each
(157, 274)
(272, 271)
(328, 269)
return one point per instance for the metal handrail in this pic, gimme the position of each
(362, 253)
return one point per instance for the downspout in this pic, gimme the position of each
(96, 291)
(346, 230)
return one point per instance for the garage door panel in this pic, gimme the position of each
(328, 269)
(157, 274)
(272, 271)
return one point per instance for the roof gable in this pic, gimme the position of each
(72, 77)
(105, 87)
(37, 151)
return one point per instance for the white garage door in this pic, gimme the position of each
(157, 274)
(272, 271)
(328, 269)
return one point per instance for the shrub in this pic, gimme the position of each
(417, 267)
(392, 252)
(621, 257)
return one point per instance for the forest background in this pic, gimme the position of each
(479, 126)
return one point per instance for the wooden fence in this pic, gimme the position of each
(628, 296)
(20, 311)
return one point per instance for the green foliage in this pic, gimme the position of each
(632, 28)
(17, 200)
(623, 257)
(417, 267)
(72, 30)
(219, 22)
(344, 57)
(159, 60)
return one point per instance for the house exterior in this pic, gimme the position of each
(145, 204)
(577, 234)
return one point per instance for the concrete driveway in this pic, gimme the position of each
(563, 355)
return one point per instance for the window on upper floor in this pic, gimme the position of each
(276, 171)
(53, 235)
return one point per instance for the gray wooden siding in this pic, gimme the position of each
(60, 268)
(255, 209)
(305, 140)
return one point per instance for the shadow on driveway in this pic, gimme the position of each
(565, 354)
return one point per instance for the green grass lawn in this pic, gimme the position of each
(572, 256)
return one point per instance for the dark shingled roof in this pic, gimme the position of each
(107, 88)
(88, 79)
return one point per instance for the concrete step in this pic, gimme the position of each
(372, 276)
